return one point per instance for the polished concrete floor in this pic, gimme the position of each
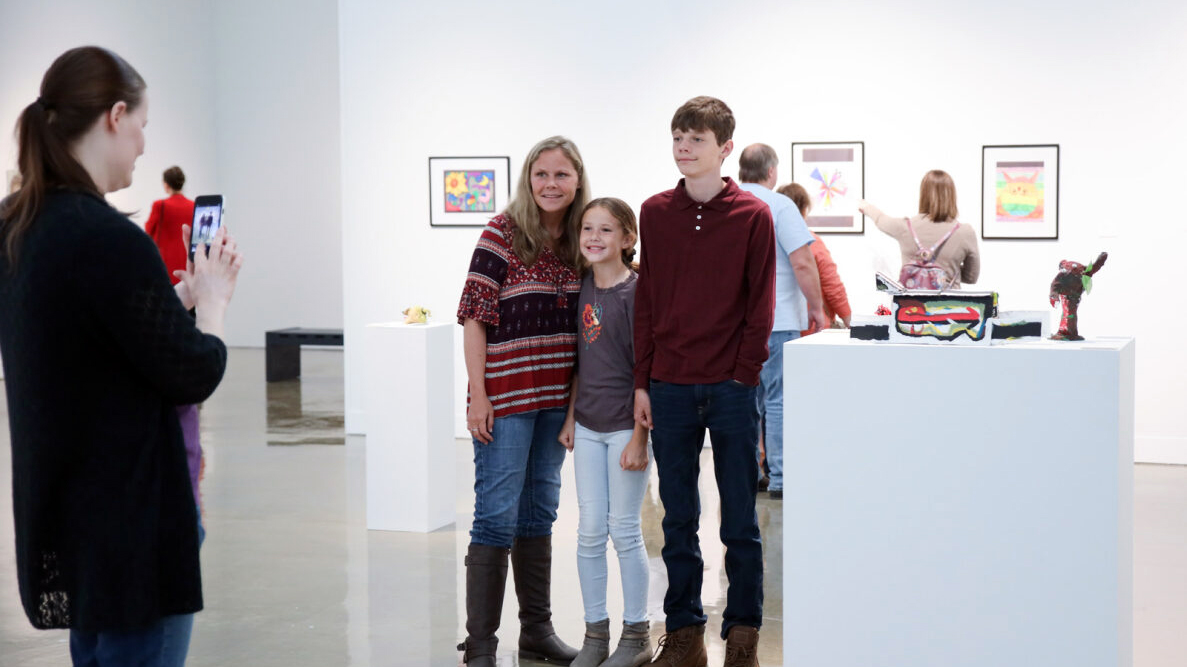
(292, 577)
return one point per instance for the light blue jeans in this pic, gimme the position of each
(772, 390)
(609, 500)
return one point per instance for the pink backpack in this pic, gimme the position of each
(923, 272)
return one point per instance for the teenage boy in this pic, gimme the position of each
(703, 312)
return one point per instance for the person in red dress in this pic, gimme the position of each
(165, 221)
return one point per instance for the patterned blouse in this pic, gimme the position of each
(530, 314)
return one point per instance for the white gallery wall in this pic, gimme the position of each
(242, 95)
(924, 84)
(278, 150)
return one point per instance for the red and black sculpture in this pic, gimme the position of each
(1072, 282)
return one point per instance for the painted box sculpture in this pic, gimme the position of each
(946, 317)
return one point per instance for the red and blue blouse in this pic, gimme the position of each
(530, 313)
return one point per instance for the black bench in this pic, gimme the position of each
(282, 349)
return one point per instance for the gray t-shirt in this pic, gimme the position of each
(606, 356)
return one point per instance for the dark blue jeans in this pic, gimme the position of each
(517, 478)
(163, 644)
(681, 413)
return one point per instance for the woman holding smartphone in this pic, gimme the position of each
(106, 523)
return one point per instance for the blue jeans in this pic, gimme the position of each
(609, 500)
(163, 644)
(680, 415)
(517, 478)
(772, 384)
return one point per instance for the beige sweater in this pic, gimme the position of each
(958, 256)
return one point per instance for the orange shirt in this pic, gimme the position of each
(836, 301)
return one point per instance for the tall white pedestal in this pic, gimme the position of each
(409, 412)
(958, 506)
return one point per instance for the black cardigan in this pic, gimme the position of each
(97, 351)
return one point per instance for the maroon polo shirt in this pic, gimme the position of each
(705, 300)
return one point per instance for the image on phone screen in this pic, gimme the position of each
(207, 220)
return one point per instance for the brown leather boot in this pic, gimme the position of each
(741, 647)
(531, 563)
(486, 578)
(683, 648)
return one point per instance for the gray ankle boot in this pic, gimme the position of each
(634, 646)
(596, 646)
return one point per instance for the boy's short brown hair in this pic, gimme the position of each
(705, 113)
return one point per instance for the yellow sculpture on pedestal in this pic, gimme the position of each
(416, 315)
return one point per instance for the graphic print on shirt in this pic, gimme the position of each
(591, 323)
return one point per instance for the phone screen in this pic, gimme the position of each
(207, 220)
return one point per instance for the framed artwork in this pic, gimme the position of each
(1020, 192)
(467, 191)
(833, 173)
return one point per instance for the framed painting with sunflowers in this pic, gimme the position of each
(467, 191)
(1020, 192)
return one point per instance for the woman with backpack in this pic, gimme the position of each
(938, 251)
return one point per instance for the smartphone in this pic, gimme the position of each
(208, 217)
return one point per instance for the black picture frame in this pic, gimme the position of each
(1020, 157)
(499, 194)
(858, 224)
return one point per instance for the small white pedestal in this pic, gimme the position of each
(409, 412)
(958, 506)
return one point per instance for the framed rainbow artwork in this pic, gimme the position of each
(1020, 192)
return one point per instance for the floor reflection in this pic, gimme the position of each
(307, 410)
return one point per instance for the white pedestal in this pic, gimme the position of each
(409, 413)
(958, 506)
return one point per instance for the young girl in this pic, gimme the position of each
(609, 448)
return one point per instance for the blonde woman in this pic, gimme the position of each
(519, 314)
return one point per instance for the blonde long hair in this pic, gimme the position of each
(532, 238)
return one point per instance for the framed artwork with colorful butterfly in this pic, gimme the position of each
(1020, 192)
(833, 173)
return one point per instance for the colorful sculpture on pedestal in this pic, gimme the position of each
(945, 317)
(1073, 281)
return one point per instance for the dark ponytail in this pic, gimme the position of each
(77, 89)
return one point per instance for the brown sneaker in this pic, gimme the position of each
(741, 647)
(683, 648)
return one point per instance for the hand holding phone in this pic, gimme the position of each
(208, 218)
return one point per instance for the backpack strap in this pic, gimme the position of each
(930, 252)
